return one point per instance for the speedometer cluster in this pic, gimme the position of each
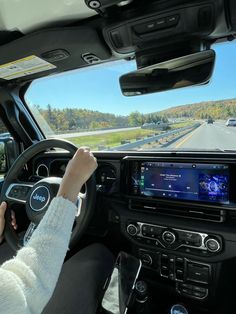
(106, 178)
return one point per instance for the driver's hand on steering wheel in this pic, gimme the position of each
(78, 171)
(3, 208)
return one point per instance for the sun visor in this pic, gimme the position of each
(232, 14)
(51, 51)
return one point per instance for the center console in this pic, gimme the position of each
(176, 218)
(162, 256)
(191, 276)
(201, 244)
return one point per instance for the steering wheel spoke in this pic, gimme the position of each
(29, 232)
(17, 192)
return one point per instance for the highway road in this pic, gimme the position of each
(79, 134)
(208, 136)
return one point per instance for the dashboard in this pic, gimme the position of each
(176, 213)
(189, 181)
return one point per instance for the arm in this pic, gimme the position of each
(27, 281)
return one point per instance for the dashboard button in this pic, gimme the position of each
(172, 20)
(179, 262)
(164, 260)
(198, 273)
(150, 26)
(186, 291)
(146, 27)
(187, 286)
(198, 295)
(164, 271)
(179, 274)
(168, 237)
(161, 23)
(132, 230)
(145, 230)
(212, 245)
(146, 259)
(199, 289)
(190, 238)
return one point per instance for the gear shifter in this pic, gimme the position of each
(142, 300)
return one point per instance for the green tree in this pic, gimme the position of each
(135, 119)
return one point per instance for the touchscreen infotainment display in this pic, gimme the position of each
(184, 181)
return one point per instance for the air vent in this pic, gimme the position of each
(90, 58)
(106, 178)
(216, 215)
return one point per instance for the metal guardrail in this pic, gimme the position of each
(138, 143)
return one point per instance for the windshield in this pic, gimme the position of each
(86, 106)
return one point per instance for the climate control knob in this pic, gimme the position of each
(146, 259)
(212, 245)
(132, 229)
(168, 237)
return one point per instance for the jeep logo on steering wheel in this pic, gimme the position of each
(39, 198)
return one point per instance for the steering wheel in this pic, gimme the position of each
(37, 196)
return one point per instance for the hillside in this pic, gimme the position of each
(221, 109)
(82, 119)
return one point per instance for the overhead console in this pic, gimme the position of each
(203, 20)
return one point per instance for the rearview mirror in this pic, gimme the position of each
(193, 69)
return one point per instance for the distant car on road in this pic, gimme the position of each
(231, 122)
(210, 121)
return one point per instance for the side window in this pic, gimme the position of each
(4, 135)
(3, 130)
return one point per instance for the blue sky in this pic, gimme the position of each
(97, 88)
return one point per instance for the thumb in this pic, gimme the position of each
(3, 208)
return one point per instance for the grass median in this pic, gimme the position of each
(109, 140)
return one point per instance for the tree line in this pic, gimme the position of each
(222, 109)
(82, 119)
(76, 119)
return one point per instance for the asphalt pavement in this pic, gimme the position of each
(208, 136)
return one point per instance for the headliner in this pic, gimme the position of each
(30, 15)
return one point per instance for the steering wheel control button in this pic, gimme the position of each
(39, 198)
(18, 192)
(168, 237)
(213, 245)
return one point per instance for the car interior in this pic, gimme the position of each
(169, 205)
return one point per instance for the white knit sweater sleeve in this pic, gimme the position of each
(28, 280)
